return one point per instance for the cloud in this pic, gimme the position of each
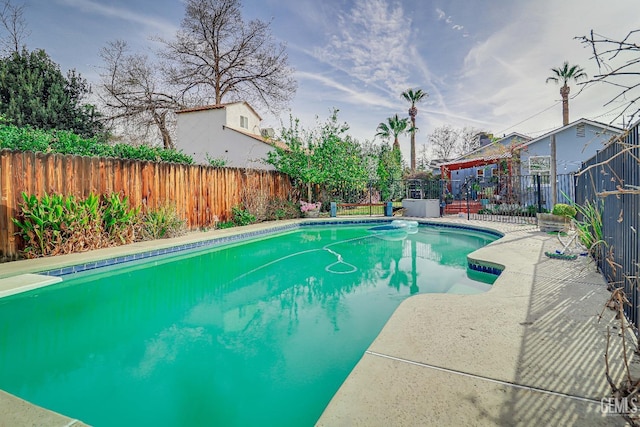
(504, 75)
(346, 94)
(371, 44)
(95, 7)
(442, 16)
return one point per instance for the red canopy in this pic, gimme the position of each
(446, 168)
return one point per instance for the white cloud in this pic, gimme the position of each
(349, 95)
(90, 6)
(441, 15)
(371, 45)
(504, 75)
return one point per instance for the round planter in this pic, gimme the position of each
(313, 213)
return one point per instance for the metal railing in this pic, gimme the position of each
(508, 198)
(611, 181)
(499, 198)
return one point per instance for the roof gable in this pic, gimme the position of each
(574, 124)
(268, 141)
(218, 107)
(493, 149)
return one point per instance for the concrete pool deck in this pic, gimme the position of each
(528, 352)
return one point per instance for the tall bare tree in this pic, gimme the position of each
(444, 142)
(423, 160)
(219, 55)
(15, 27)
(134, 93)
(469, 138)
(619, 66)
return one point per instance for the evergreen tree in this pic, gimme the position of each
(34, 92)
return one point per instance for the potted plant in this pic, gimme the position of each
(486, 195)
(448, 197)
(558, 219)
(310, 210)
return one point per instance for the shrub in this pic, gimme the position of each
(532, 210)
(590, 228)
(66, 142)
(282, 209)
(216, 162)
(563, 209)
(57, 224)
(162, 223)
(119, 219)
(255, 200)
(242, 216)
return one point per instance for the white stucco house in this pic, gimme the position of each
(230, 132)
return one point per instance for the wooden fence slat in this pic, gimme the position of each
(19, 184)
(6, 199)
(67, 175)
(199, 193)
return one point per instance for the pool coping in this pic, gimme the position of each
(79, 262)
(360, 412)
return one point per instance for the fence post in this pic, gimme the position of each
(370, 197)
(468, 195)
(539, 191)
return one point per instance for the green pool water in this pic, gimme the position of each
(257, 333)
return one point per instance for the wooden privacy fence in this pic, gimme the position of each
(199, 193)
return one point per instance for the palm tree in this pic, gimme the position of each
(394, 127)
(564, 74)
(413, 97)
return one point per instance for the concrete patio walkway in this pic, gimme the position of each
(528, 352)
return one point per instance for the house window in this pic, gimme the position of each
(480, 173)
(580, 130)
(244, 122)
(539, 165)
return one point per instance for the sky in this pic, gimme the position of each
(483, 63)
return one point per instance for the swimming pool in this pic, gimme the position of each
(259, 332)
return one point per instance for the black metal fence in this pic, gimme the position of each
(499, 198)
(371, 197)
(611, 181)
(514, 198)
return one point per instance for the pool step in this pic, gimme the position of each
(25, 282)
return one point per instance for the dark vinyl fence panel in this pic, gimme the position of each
(610, 178)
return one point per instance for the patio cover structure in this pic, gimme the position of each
(489, 159)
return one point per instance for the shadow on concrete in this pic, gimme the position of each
(563, 348)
